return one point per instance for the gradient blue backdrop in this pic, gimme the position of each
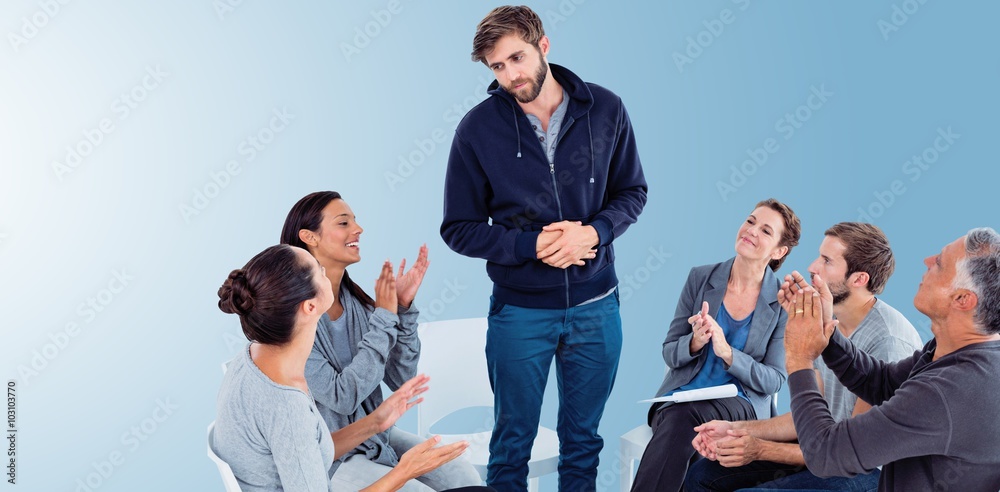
(363, 111)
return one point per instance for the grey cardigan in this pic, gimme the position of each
(760, 366)
(384, 347)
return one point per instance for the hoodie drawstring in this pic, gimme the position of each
(517, 130)
(590, 132)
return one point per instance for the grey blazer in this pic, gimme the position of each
(760, 366)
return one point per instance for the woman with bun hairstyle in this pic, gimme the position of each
(727, 329)
(361, 342)
(267, 427)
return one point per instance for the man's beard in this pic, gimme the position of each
(840, 292)
(534, 89)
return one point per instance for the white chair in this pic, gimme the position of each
(228, 479)
(453, 354)
(633, 444)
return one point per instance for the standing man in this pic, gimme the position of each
(933, 423)
(855, 262)
(543, 176)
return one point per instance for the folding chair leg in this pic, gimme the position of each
(533, 484)
(633, 464)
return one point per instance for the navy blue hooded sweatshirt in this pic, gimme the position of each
(500, 191)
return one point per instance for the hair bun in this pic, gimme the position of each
(235, 295)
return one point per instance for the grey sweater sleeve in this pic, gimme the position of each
(344, 391)
(912, 417)
(405, 354)
(915, 422)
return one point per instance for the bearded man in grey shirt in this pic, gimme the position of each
(855, 261)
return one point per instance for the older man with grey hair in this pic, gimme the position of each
(934, 424)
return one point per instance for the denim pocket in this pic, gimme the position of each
(495, 306)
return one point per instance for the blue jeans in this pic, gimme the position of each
(707, 475)
(586, 342)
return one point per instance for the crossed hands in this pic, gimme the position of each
(704, 328)
(392, 291)
(810, 319)
(721, 441)
(562, 244)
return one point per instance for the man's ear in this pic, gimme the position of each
(860, 279)
(543, 45)
(964, 300)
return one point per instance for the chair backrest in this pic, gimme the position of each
(228, 478)
(453, 354)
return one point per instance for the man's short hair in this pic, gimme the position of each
(867, 251)
(979, 272)
(502, 21)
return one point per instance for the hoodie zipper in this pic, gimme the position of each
(552, 173)
(555, 191)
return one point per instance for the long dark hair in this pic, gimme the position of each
(266, 294)
(307, 213)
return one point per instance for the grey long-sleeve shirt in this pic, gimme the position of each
(384, 347)
(934, 424)
(271, 435)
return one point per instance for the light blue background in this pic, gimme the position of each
(357, 117)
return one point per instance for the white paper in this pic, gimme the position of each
(710, 393)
